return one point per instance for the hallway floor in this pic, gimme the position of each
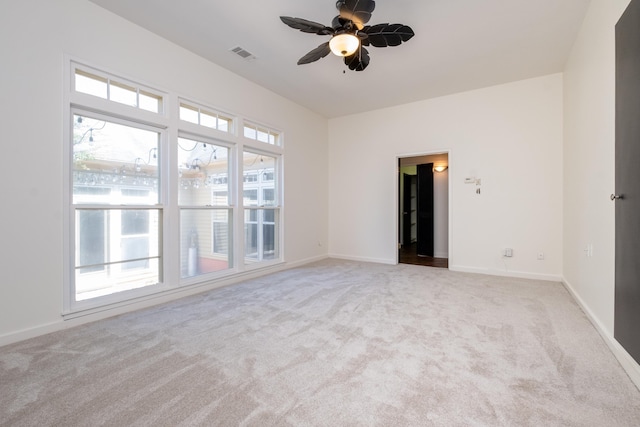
(409, 255)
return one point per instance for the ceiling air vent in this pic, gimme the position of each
(243, 53)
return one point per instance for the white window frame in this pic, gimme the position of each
(206, 137)
(167, 123)
(201, 110)
(71, 304)
(274, 136)
(275, 152)
(114, 80)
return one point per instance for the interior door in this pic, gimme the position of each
(406, 209)
(627, 176)
(425, 210)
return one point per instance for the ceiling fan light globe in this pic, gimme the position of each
(344, 44)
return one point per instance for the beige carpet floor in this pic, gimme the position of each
(334, 343)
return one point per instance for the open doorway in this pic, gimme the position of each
(423, 210)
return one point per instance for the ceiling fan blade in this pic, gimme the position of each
(306, 26)
(357, 11)
(383, 35)
(359, 60)
(317, 53)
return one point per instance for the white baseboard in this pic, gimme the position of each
(149, 301)
(517, 274)
(34, 332)
(631, 367)
(363, 259)
(462, 269)
(306, 261)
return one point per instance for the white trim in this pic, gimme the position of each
(261, 147)
(67, 186)
(502, 273)
(199, 131)
(461, 269)
(363, 259)
(219, 113)
(76, 64)
(631, 367)
(252, 124)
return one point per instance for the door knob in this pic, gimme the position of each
(616, 197)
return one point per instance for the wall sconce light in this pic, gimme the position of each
(440, 168)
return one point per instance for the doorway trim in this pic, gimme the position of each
(398, 217)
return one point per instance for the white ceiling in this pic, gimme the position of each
(459, 45)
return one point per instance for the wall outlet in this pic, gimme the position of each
(589, 250)
(507, 252)
(540, 256)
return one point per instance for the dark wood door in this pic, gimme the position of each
(425, 210)
(627, 175)
(406, 209)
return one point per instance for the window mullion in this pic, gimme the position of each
(239, 208)
(170, 196)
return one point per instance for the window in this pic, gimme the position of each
(156, 204)
(114, 164)
(121, 91)
(205, 215)
(261, 134)
(203, 117)
(261, 210)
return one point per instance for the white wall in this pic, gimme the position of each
(34, 36)
(509, 136)
(589, 170)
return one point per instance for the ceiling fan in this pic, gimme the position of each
(349, 34)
